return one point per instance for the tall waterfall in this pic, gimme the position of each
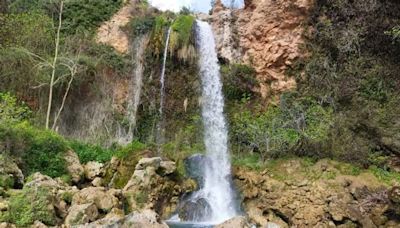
(125, 136)
(217, 188)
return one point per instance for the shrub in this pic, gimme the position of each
(239, 81)
(39, 150)
(11, 111)
(88, 152)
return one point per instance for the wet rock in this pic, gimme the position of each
(10, 175)
(103, 199)
(81, 214)
(194, 167)
(93, 170)
(237, 222)
(198, 210)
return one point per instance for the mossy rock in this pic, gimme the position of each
(30, 205)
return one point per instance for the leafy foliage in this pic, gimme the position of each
(39, 150)
(239, 81)
(11, 111)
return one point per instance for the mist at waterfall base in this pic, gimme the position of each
(217, 188)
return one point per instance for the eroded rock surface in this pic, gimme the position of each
(318, 197)
(266, 35)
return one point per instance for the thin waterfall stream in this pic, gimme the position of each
(160, 127)
(126, 136)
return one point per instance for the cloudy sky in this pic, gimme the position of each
(195, 5)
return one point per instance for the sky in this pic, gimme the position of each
(195, 5)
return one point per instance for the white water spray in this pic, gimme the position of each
(217, 188)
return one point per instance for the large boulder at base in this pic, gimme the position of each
(81, 214)
(236, 222)
(103, 199)
(194, 167)
(74, 166)
(93, 170)
(10, 175)
(195, 210)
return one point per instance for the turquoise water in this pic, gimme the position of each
(172, 224)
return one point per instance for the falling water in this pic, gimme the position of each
(217, 188)
(160, 129)
(162, 79)
(135, 90)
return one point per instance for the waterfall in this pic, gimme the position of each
(126, 136)
(217, 188)
(162, 78)
(160, 128)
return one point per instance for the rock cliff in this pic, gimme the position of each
(267, 35)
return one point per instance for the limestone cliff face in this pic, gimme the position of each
(266, 34)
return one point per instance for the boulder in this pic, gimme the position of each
(74, 166)
(103, 199)
(148, 162)
(195, 210)
(167, 167)
(10, 175)
(7, 225)
(40, 180)
(237, 222)
(146, 218)
(38, 224)
(93, 170)
(194, 167)
(81, 214)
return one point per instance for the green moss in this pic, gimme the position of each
(141, 199)
(30, 205)
(182, 26)
(389, 177)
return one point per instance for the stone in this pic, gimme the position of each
(148, 162)
(7, 225)
(74, 166)
(81, 214)
(3, 206)
(146, 218)
(10, 175)
(237, 222)
(193, 167)
(103, 199)
(38, 224)
(97, 182)
(167, 167)
(93, 170)
(195, 210)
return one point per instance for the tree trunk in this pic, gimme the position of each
(53, 73)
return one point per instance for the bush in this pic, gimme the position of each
(39, 150)
(88, 152)
(11, 111)
(239, 81)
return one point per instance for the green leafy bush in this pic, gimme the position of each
(88, 152)
(39, 150)
(11, 111)
(239, 81)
